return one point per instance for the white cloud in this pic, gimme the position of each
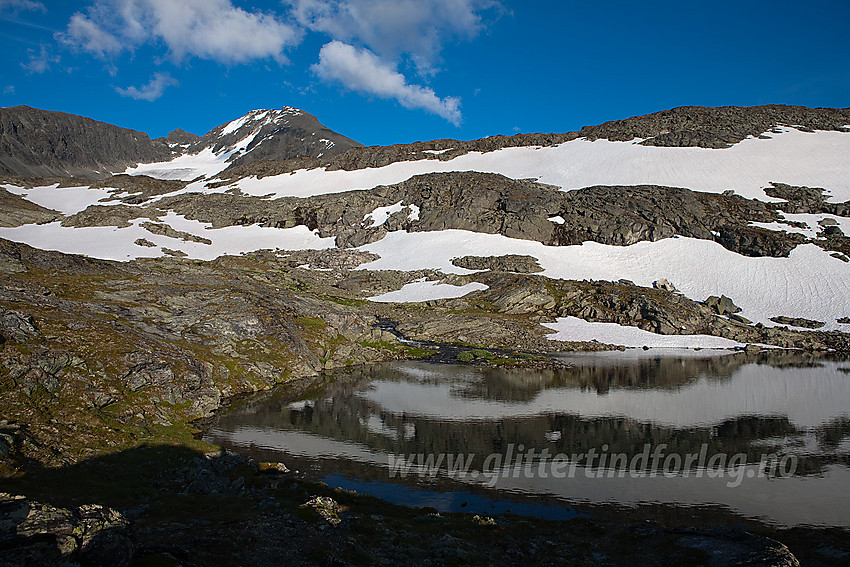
(208, 29)
(9, 90)
(40, 60)
(151, 91)
(361, 70)
(20, 5)
(394, 27)
(88, 35)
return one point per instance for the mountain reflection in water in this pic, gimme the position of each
(615, 403)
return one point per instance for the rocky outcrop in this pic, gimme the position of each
(17, 211)
(180, 137)
(507, 263)
(806, 200)
(721, 305)
(797, 322)
(16, 325)
(720, 127)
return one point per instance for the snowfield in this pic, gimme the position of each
(809, 283)
(813, 159)
(112, 243)
(66, 200)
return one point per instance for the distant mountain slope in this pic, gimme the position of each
(686, 126)
(275, 134)
(260, 135)
(43, 143)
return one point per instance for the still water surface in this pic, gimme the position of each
(766, 440)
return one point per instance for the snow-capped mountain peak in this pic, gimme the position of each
(259, 135)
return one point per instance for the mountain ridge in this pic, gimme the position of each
(46, 143)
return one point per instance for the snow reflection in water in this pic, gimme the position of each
(611, 403)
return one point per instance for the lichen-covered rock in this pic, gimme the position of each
(17, 325)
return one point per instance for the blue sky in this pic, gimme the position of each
(397, 71)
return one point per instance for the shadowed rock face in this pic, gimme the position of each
(42, 143)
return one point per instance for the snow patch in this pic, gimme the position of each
(575, 329)
(415, 292)
(380, 215)
(557, 219)
(185, 168)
